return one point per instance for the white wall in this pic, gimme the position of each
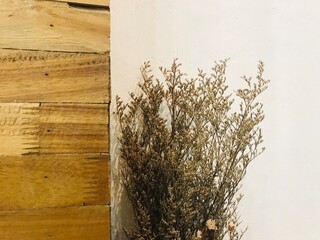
(282, 198)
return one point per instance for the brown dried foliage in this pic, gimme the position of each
(184, 152)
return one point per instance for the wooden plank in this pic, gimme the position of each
(55, 26)
(37, 76)
(75, 223)
(42, 181)
(53, 128)
(19, 128)
(89, 2)
(74, 128)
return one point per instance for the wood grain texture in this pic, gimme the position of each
(37, 76)
(54, 26)
(41, 181)
(19, 128)
(53, 128)
(89, 2)
(74, 128)
(74, 223)
(54, 120)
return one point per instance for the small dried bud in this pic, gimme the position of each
(231, 227)
(199, 235)
(211, 224)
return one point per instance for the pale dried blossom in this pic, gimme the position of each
(199, 235)
(211, 224)
(232, 227)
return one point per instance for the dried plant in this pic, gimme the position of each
(185, 150)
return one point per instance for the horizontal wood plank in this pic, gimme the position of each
(19, 128)
(42, 181)
(74, 223)
(89, 2)
(37, 76)
(53, 128)
(54, 26)
(73, 128)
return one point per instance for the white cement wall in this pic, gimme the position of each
(282, 197)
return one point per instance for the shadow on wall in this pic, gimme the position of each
(121, 208)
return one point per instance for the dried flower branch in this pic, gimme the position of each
(182, 170)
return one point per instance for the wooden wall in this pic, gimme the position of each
(54, 120)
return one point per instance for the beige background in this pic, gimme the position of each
(281, 200)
